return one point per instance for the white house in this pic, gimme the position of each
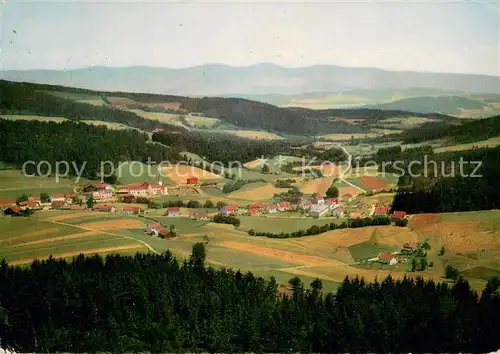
(272, 208)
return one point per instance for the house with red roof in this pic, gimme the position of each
(58, 197)
(254, 211)
(380, 211)
(164, 232)
(13, 210)
(138, 190)
(104, 208)
(259, 206)
(284, 206)
(387, 258)
(30, 205)
(153, 228)
(231, 209)
(397, 215)
(272, 208)
(317, 199)
(173, 212)
(193, 180)
(131, 211)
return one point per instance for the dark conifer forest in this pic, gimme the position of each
(22, 141)
(474, 186)
(153, 303)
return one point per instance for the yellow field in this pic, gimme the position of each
(346, 137)
(318, 185)
(255, 194)
(161, 117)
(202, 121)
(461, 147)
(95, 102)
(253, 164)
(179, 174)
(253, 134)
(328, 170)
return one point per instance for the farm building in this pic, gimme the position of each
(13, 210)
(317, 199)
(387, 258)
(164, 232)
(173, 212)
(138, 190)
(347, 197)
(259, 206)
(104, 186)
(381, 211)
(397, 215)
(272, 208)
(131, 211)
(31, 205)
(104, 208)
(103, 194)
(193, 180)
(318, 210)
(157, 130)
(230, 209)
(153, 228)
(253, 211)
(284, 206)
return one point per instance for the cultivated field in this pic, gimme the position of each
(256, 192)
(318, 185)
(13, 184)
(347, 137)
(252, 134)
(471, 240)
(179, 174)
(371, 183)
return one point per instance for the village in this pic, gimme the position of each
(103, 196)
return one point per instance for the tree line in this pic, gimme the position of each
(467, 132)
(32, 99)
(154, 303)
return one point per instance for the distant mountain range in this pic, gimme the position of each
(224, 80)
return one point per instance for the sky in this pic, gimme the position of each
(460, 37)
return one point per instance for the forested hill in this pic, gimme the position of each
(27, 98)
(154, 303)
(468, 132)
